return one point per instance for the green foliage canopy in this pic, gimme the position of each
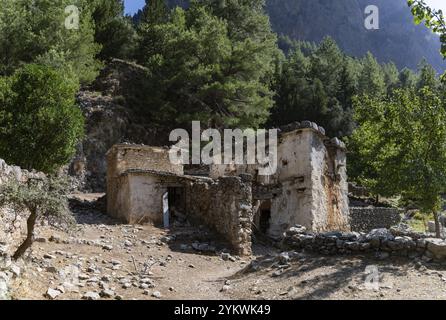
(35, 32)
(205, 66)
(399, 146)
(40, 125)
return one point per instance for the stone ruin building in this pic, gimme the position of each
(309, 188)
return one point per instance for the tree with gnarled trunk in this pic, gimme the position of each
(40, 198)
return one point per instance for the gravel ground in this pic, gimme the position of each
(104, 260)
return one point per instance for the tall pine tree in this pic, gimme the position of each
(113, 30)
(205, 65)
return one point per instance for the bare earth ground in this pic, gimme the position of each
(139, 262)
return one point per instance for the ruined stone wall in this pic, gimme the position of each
(382, 242)
(330, 209)
(224, 205)
(366, 219)
(293, 204)
(122, 158)
(118, 198)
(313, 175)
(310, 186)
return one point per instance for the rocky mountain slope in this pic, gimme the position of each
(397, 39)
(111, 118)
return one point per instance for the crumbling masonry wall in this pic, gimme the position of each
(367, 219)
(312, 188)
(225, 205)
(329, 185)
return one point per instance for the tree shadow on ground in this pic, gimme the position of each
(335, 272)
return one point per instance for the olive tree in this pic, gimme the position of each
(42, 198)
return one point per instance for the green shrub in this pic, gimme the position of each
(40, 124)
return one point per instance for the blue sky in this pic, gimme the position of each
(132, 6)
(437, 4)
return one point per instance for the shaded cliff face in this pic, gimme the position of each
(397, 40)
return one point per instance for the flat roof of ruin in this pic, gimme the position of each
(333, 142)
(123, 146)
(163, 174)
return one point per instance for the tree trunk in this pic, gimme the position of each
(30, 224)
(437, 225)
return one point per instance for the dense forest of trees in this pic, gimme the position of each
(222, 65)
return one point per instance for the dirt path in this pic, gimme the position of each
(144, 262)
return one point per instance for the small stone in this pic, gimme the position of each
(284, 258)
(184, 247)
(83, 277)
(156, 294)
(15, 270)
(53, 294)
(225, 288)
(382, 255)
(91, 269)
(107, 293)
(107, 247)
(91, 295)
(106, 278)
(126, 285)
(296, 230)
(437, 247)
(225, 256)
(116, 262)
(277, 273)
(61, 289)
(93, 280)
(191, 266)
(48, 256)
(146, 280)
(55, 239)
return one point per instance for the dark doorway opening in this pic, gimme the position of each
(177, 203)
(265, 217)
